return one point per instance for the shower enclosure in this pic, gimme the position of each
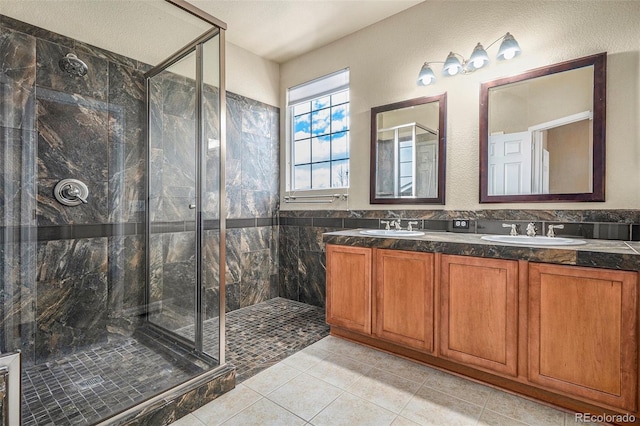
(407, 162)
(111, 194)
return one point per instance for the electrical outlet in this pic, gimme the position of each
(460, 224)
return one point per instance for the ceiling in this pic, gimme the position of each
(152, 30)
(280, 30)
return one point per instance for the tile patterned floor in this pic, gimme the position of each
(261, 335)
(82, 388)
(335, 382)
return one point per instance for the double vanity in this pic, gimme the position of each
(555, 322)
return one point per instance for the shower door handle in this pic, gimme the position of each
(192, 206)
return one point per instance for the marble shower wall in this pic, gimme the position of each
(302, 262)
(73, 276)
(252, 184)
(251, 201)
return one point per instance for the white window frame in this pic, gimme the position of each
(329, 84)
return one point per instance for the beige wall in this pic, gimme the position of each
(569, 158)
(252, 76)
(516, 107)
(385, 58)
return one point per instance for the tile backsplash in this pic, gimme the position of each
(302, 257)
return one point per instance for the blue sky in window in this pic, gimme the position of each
(302, 126)
(320, 122)
(339, 118)
(321, 134)
(320, 103)
(340, 146)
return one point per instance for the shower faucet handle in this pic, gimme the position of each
(71, 192)
(75, 191)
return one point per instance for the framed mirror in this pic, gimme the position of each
(408, 151)
(542, 134)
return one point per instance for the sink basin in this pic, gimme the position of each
(392, 233)
(525, 240)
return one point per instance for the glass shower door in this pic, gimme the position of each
(185, 245)
(172, 198)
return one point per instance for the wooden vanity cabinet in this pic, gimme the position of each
(479, 312)
(564, 334)
(582, 337)
(349, 288)
(404, 298)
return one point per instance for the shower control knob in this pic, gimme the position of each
(71, 192)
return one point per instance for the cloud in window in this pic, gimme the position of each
(321, 175)
(321, 148)
(320, 122)
(302, 177)
(339, 118)
(340, 173)
(302, 152)
(302, 126)
(340, 146)
(320, 102)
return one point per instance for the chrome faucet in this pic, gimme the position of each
(396, 223)
(410, 225)
(386, 222)
(513, 226)
(531, 230)
(551, 233)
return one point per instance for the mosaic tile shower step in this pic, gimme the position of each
(68, 391)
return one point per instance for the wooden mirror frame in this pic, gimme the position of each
(442, 133)
(599, 63)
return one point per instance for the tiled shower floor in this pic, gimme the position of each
(82, 388)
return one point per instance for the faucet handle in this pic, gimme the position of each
(410, 225)
(397, 224)
(513, 226)
(386, 222)
(531, 229)
(550, 232)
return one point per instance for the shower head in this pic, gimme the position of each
(73, 66)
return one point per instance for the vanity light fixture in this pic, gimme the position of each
(457, 64)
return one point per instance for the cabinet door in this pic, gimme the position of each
(583, 332)
(349, 287)
(479, 312)
(404, 298)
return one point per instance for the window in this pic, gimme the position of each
(319, 112)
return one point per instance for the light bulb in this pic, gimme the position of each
(452, 70)
(478, 63)
(509, 54)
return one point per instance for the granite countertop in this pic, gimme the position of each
(610, 254)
